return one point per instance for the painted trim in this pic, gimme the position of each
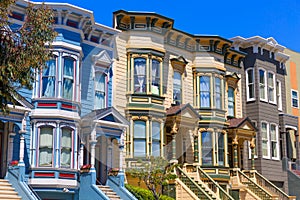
(292, 90)
(247, 84)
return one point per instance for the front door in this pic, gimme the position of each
(101, 160)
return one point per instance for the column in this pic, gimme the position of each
(235, 153)
(59, 67)
(57, 145)
(196, 148)
(93, 142)
(252, 147)
(81, 154)
(22, 140)
(174, 131)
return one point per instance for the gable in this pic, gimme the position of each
(102, 58)
(110, 118)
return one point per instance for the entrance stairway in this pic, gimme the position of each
(202, 185)
(7, 191)
(109, 192)
(264, 184)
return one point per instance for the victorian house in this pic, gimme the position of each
(64, 136)
(185, 95)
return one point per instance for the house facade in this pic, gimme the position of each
(110, 97)
(64, 134)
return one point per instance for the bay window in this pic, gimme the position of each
(271, 88)
(68, 77)
(204, 91)
(250, 84)
(46, 146)
(177, 87)
(48, 79)
(207, 148)
(231, 102)
(139, 138)
(262, 85)
(139, 75)
(66, 147)
(156, 138)
(100, 90)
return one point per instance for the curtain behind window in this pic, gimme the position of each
(205, 91)
(155, 77)
(206, 148)
(66, 147)
(99, 90)
(48, 80)
(46, 146)
(68, 78)
(139, 75)
(177, 87)
(231, 101)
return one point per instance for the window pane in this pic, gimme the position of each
(155, 148)
(231, 102)
(262, 84)
(100, 90)
(66, 144)
(139, 75)
(271, 87)
(48, 79)
(45, 146)
(295, 99)
(177, 87)
(139, 148)
(204, 91)
(221, 148)
(68, 78)
(250, 82)
(156, 130)
(139, 129)
(250, 76)
(155, 87)
(218, 93)
(206, 148)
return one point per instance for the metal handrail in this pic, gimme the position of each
(202, 192)
(211, 183)
(258, 190)
(265, 183)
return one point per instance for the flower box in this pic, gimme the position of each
(85, 168)
(14, 163)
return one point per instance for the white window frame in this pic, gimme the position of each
(292, 98)
(247, 84)
(265, 85)
(277, 141)
(274, 87)
(99, 70)
(268, 140)
(279, 95)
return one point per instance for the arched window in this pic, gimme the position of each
(140, 75)
(66, 147)
(139, 138)
(156, 139)
(46, 146)
(68, 78)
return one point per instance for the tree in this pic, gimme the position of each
(154, 172)
(23, 49)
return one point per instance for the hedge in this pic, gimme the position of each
(143, 194)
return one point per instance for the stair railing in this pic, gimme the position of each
(192, 185)
(254, 187)
(213, 185)
(268, 185)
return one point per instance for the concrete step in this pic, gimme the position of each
(10, 197)
(6, 187)
(109, 192)
(9, 192)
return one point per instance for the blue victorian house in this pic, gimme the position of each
(63, 138)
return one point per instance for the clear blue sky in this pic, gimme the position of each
(268, 18)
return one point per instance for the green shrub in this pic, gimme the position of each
(143, 194)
